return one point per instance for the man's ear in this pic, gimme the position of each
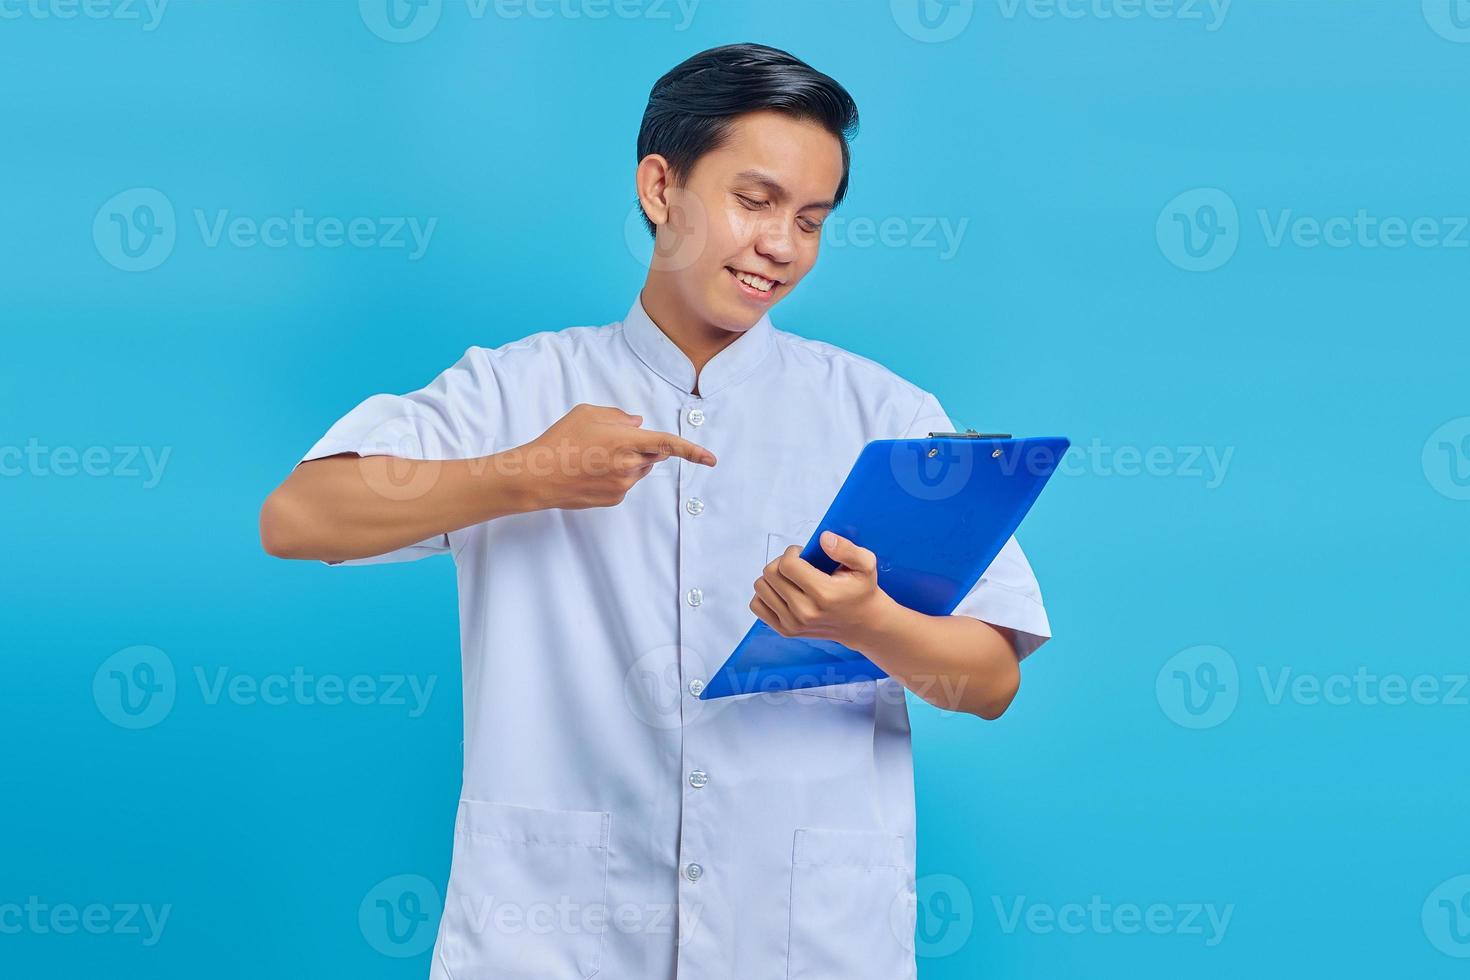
(653, 181)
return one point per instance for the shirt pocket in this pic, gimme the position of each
(527, 893)
(853, 907)
(776, 542)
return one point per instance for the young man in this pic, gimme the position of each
(608, 495)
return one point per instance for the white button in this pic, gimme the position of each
(695, 596)
(696, 687)
(694, 505)
(696, 416)
(698, 778)
(693, 871)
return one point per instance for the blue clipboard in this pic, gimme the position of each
(936, 511)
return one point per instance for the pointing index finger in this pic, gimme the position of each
(653, 442)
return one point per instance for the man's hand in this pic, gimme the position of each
(795, 598)
(956, 662)
(593, 455)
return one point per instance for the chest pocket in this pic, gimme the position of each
(853, 907)
(515, 873)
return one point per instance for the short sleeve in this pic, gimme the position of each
(440, 421)
(1007, 594)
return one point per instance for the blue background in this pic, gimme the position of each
(1132, 767)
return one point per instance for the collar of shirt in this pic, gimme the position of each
(665, 359)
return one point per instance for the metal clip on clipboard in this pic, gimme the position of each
(969, 434)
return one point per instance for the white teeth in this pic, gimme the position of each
(764, 285)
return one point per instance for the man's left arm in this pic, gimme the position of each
(955, 662)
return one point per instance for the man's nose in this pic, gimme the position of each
(773, 242)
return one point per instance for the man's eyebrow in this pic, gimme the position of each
(776, 190)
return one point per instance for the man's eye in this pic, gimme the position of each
(808, 225)
(750, 203)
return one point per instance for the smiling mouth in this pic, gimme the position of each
(758, 285)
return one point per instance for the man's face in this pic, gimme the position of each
(752, 208)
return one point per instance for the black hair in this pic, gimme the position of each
(691, 107)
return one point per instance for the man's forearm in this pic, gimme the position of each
(345, 507)
(954, 662)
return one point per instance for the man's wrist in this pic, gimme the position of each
(874, 624)
(517, 489)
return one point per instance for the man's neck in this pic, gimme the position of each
(699, 341)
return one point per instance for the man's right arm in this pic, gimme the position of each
(335, 509)
(347, 506)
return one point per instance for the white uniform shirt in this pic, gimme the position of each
(611, 823)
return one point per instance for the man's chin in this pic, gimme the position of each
(736, 319)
